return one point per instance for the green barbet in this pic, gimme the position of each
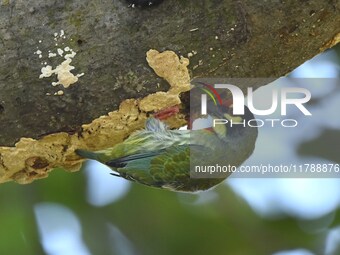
(179, 160)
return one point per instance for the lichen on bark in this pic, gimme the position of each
(32, 159)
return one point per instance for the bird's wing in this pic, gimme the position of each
(159, 168)
(123, 161)
(173, 163)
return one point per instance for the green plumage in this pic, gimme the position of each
(159, 157)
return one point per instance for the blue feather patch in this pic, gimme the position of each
(155, 125)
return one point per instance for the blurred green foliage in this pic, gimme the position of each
(157, 222)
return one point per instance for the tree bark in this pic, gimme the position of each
(222, 38)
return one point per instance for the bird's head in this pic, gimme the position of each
(227, 123)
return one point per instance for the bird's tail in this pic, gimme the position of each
(87, 154)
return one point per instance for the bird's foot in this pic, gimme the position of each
(167, 112)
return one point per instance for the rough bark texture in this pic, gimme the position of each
(247, 38)
(224, 38)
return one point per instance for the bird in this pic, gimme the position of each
(159, 157)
